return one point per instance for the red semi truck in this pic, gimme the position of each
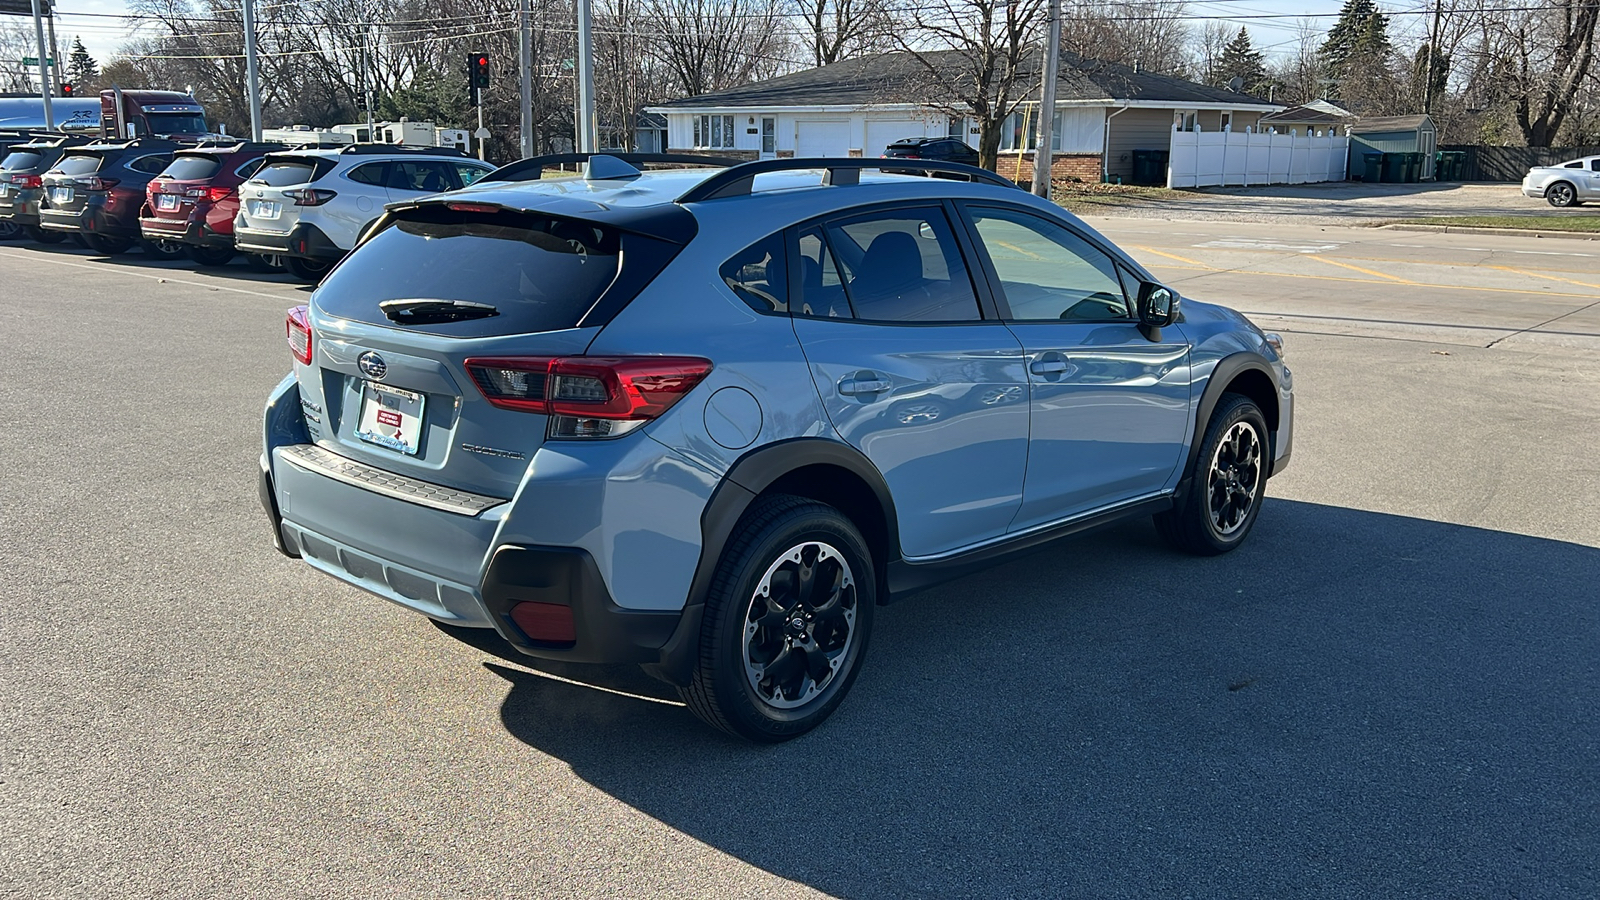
(118, 116)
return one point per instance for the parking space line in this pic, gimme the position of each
(121, 270)
(1182, 259)
(1542, 275)
(1206, 270)
(1331, 262)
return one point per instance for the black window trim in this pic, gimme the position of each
(989, 312)
(993, 276)
(379, 164)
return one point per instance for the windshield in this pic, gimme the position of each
(21, 159)
(540, 273)
(177, 123)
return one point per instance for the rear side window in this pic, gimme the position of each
(192, 168)
(249, 168)
(21, 159)
(758, 275)
(150, 164)
(375, 174)
(537, 273)
(284, 174)
(78, 164)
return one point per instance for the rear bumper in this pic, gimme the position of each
(91, 220)
(20, 208)
(183, 232)
(1536, 193)
(303, 240)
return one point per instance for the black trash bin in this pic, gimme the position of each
(1372, 167)
(1394, 168)
(1150, 167)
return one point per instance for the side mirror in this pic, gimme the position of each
(1158, 305)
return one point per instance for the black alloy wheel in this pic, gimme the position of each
(209, 256)
(786, 621)
(105, 245)
(266, 265)
(165, 251)
(1225, 484)
(9, 230)
(309, 271)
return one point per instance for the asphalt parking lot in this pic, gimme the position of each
(1347, 203)
(1390, 691)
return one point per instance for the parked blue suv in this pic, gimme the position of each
(706, 420)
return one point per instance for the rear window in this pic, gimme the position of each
(539, 273)
(21, 159)
(283, 174)
(192, 168)
(78, 164)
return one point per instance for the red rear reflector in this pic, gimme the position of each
(473, 207)
(297, 328)
(549, 623)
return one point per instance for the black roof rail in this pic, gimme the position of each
(531, 168)
(360, 149)
(738, 180)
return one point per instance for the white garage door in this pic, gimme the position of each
(822, 138)
(882, 134)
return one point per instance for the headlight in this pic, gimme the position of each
(1275, 341)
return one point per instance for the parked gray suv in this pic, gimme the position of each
(706, 420)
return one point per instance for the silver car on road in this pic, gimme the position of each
(1568, 184)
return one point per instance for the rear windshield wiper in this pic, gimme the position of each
(432, 312)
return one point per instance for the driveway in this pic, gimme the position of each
(1344, 203)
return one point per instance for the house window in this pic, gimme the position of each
(713, 132)
(1011, 133)
(1227, 121)
(957, 129)
(1186, 120)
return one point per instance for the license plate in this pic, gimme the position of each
(264, 209)
(5, 189)
(390, 417)
(166, 201)
(61, 195)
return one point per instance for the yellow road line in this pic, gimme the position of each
(1182, 259)
(1542, 275)
(1422, 284)
(1375, 272)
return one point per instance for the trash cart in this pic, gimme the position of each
(1372, 167)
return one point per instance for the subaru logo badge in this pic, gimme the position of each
(372, 365)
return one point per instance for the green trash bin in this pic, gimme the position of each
(1394, 168)
(1415, 164)
(1150, 167)
(1372, 168)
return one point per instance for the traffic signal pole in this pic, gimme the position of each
(44, 79)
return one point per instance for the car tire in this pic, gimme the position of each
(264, 264)
(9, 230)
(209, 256)
(43, 235)
(1227, 482)
(777, 656)
(309, 271)
(165, 251)
(1561, 195)
(106, 245)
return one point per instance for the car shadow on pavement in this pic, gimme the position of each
(1353, 704)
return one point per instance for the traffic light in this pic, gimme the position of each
(67, 90)
(477, 76)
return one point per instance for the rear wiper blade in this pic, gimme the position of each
(432, 312)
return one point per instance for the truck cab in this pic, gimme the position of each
(173, 115)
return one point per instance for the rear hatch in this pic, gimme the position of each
(70, 184)
(19, 171)
(273, 198)
(397, 322)
(182, 186)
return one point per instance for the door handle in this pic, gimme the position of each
(859, 383)
(1049, 364)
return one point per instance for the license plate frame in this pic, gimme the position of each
(166, 202)
(391, 418)
(265, 209)
(61, 195)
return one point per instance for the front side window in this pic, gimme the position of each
(469, 174)
(903, 266)
(423, 175)
(713, 132)
(1594, 164)
(1047, 272)
(758, 275)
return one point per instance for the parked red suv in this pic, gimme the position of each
(194, 200)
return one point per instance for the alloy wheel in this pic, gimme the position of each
(1561, 194)
(800, 625)
(1234, 482)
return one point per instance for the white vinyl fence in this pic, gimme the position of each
(1201, 158)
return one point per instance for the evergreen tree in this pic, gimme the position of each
(82, 70)
(1357, 47)
(1243, 61)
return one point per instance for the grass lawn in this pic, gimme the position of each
(1587, 224)
(1091, 197)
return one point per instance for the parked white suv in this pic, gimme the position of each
(310, 206)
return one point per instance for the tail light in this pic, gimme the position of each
(96, 183)
(589, 396)
(310, 196)
(27, 181)
(297, 328)
(216, 194)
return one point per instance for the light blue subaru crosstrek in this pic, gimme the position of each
(706, 419)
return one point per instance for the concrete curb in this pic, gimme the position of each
(1472, 229)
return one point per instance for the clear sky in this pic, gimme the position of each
(95, 20)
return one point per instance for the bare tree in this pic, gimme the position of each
(709, 45)
(1146, 35)
(842, 29)
(979, 56)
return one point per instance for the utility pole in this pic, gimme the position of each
(44, 79)
(1042, 156)
(588, 128)
(366, 80)
(252, 81)
(525, 51)
(1433, 51)
(55, 52)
